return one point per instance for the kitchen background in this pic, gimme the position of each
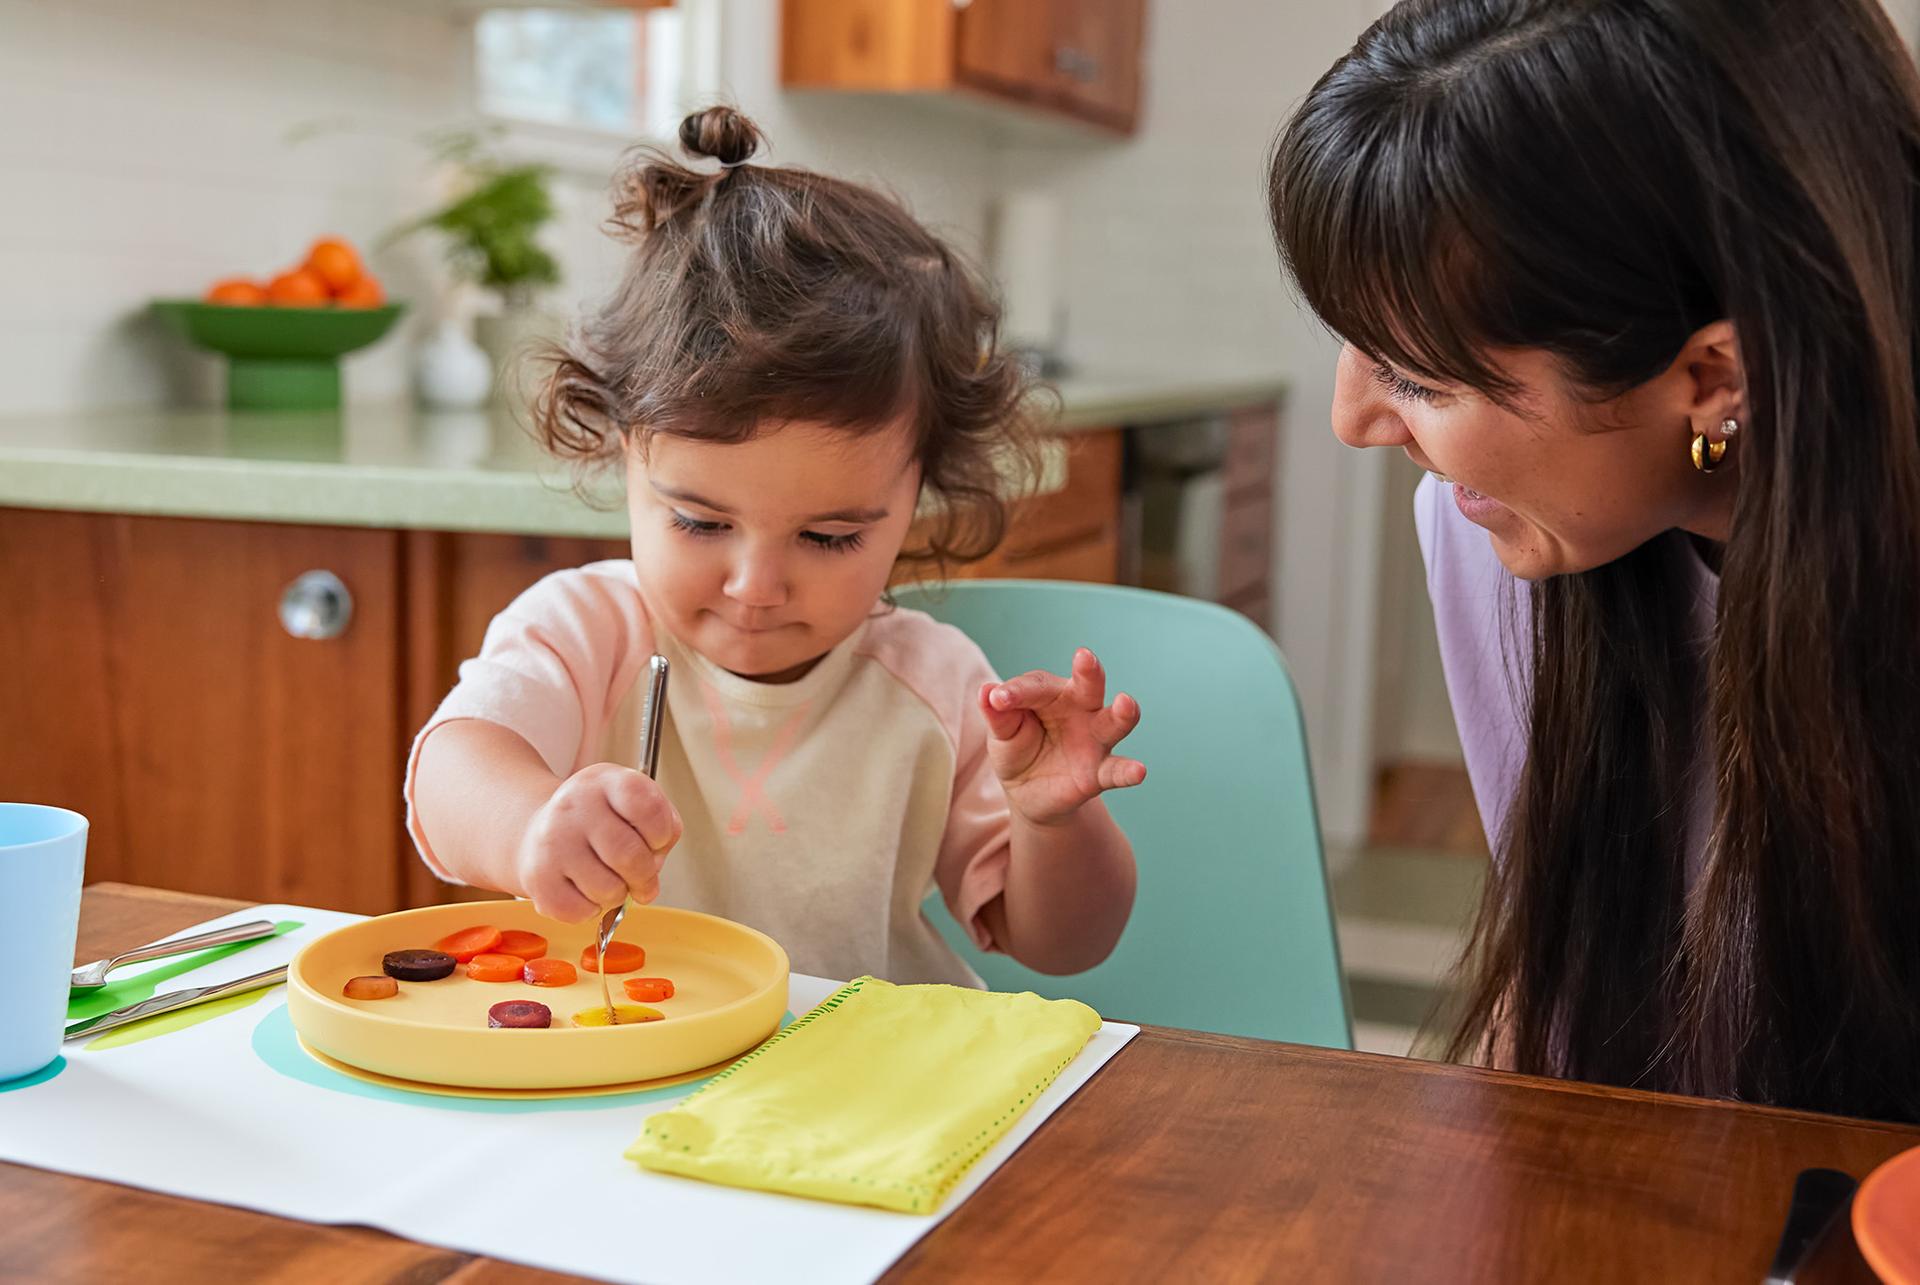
(150, 147)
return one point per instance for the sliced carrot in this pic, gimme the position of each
(370, 988)
(495, 968)
(622, 957)
(515, 941)
(548, 972)
(468, 942)
(648, 990)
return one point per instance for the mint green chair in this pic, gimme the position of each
(1232, 930)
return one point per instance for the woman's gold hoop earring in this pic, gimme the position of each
(1707, 455)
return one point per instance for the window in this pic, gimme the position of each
(621, 71)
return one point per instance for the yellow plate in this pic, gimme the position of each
(730, 990)
(506, 1095)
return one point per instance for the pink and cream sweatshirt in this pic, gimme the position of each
(820, 811)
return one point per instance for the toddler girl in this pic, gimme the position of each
(790, 364)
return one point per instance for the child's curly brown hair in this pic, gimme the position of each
(757, 295)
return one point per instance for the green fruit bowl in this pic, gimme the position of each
(279, 358)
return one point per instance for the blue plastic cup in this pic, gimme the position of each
(43, 851)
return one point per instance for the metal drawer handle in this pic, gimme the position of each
(1077, 63)
(316, 605)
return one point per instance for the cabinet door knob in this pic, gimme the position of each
(316, 605)
(1077, 63)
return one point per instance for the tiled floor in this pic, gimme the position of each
(1402, 914)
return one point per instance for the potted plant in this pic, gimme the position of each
(491, 227)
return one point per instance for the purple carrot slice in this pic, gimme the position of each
(520, 1014)
(417, 965)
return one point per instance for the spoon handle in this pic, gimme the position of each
(653, 711)
(181, 945)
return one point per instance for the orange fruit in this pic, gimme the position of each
(334, 262)
(237, 292)
(364, 293)
(297, 289)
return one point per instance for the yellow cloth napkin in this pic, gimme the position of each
(883, 1095)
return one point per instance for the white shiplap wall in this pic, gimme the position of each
(145, 149)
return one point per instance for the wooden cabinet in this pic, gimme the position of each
(150, 685)
(1096, 52)
(1078, 59)
(1249, 512)
(1069, 534)
(1208, 507)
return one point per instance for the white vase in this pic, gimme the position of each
(451, 371)
(513, 338)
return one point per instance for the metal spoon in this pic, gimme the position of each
(172, 1000)
(653, 711)
(93, 976)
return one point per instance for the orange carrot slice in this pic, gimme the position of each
(648, 990)
(515, 941)
(495, 968)
(548, 972)
(622, 957)
(468, 942)
(370, 988)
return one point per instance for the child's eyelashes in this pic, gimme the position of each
(833, 543)
(704, 530)
(695, 527)
(1399, 387)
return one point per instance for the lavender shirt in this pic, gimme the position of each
(1482, 621)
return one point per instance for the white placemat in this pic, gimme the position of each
(227, 1110)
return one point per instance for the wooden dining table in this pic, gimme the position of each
(1190, 1157)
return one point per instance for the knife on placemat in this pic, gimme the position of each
(172, 1000)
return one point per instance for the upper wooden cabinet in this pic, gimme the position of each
(1074, 58)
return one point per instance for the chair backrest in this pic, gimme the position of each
(1232, 930)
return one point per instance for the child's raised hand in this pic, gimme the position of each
(601, 838)
(1052, 739)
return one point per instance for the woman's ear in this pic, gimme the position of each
(1718, 380)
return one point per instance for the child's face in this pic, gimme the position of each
(761, 555)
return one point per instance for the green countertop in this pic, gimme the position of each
(402, 468)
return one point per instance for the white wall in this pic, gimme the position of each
(145, 148)
(1906, 16)
(145, 152)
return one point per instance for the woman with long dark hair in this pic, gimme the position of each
(1636, 280)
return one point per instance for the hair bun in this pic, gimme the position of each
(720, 132)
